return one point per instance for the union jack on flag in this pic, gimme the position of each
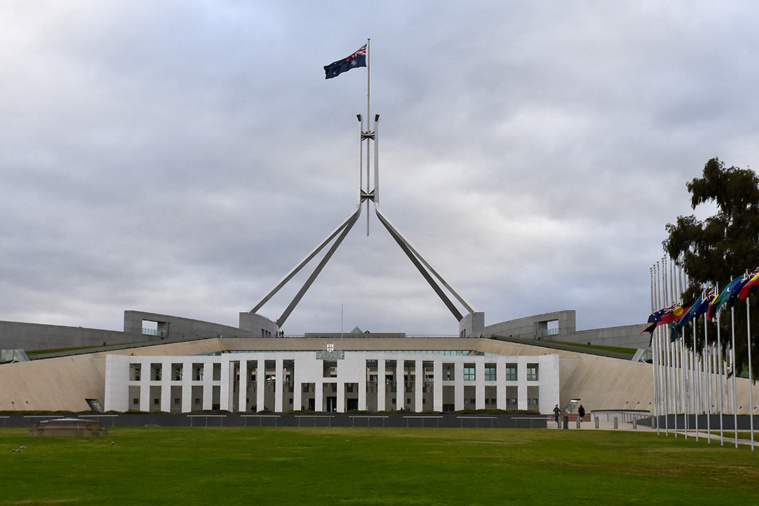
(357, 59)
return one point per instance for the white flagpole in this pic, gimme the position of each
(708, 392)
(721, 365)
(654, 351)
(750, 375)
(683, 362)
(696, 404)
(732, 358)
(665, 300)
(368, 128)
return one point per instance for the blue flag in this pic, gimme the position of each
(357, 59)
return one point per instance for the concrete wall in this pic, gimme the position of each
(175, 327)
(257, 325)
(627, 336)
(35, 336)
(533, 327)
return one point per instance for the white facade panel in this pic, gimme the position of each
(225, 377)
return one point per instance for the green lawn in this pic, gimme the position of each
(254, 465)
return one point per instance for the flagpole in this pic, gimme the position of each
(696, 403)
(750, 374)
(707, 385)
(368, 129)
(732, 359)
(720, 374)
(682, 381)
(654, 348)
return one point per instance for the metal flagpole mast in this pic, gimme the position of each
(721, 363)
(368, 126)
(683, 361)
(696, 403)
(708, 389)
(732, 359)
(750, 375)
(652, 271)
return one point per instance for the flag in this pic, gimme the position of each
(727, 292)
(750, 286)
(669, 314)
(699, 307)
(357, 59)
(691, 313)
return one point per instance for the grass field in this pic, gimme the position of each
(254, 465)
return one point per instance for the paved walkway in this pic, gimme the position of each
(627, 426)
(602, 425)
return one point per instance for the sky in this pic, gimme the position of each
(180, 157)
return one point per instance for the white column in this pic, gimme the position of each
(501, 387)
(297, 387)
(260, 384)
(145, 386)
(187, 386)
(225, 392)
(419, 385)
(279, 383)
(458, 384)
(437, 385)
(242, 399)
(362, 386)
(340, 393)
(166, 385)
(207, 384)
(479, 387)
(319, 396)
(380, 384)
(400, 390)
(521, 384)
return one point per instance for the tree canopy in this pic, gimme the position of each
(721, 247)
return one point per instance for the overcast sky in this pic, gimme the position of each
(180, 157)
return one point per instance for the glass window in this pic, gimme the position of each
(532, 372)
(511, 372)
(490, 372)
(469, 372)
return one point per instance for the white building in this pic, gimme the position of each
(332, 380)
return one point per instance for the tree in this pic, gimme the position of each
(714, 251)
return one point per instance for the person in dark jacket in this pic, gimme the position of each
(581, 412)
(557, 412)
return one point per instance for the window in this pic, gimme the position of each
(511, 372)
(490, 372)
(329, 369)
(469, 372)
(532, 372)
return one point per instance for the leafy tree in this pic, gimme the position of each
(723, 246)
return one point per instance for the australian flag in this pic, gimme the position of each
(357, 59)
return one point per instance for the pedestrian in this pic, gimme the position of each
(581, 412)
(557, 412)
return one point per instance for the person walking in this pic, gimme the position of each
(557, 413)
(581, 412)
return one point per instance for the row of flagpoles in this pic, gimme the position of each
(688, 379)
